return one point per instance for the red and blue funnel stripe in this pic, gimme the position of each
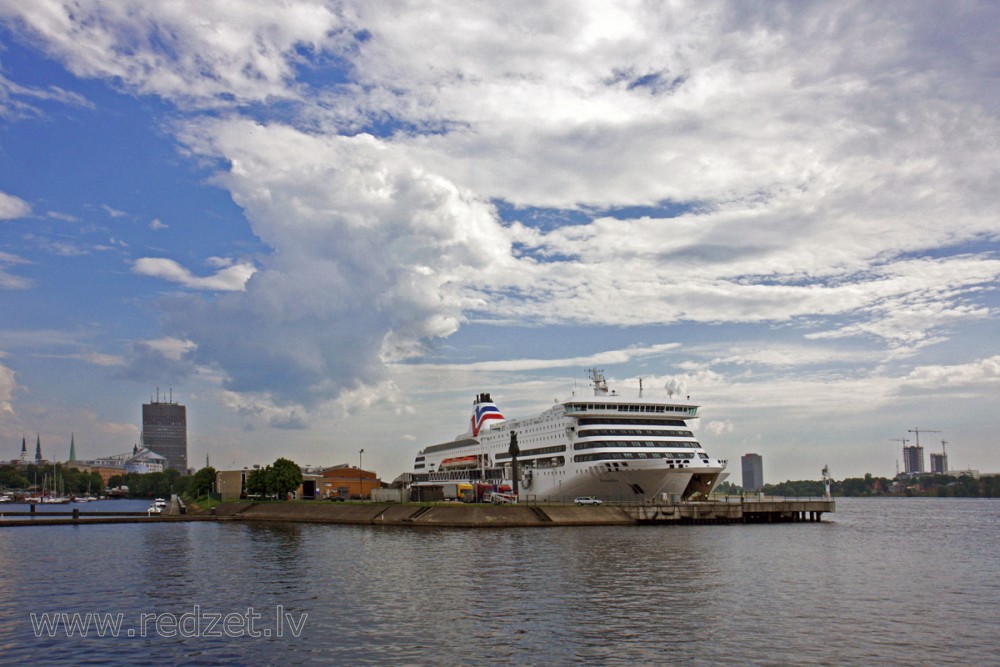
(483, 413)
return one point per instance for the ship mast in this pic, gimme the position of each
(600, 384)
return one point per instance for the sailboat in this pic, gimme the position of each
(55, 497)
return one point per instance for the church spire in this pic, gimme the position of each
(72, 448)
(38, 448)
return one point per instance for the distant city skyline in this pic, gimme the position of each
(329, 226)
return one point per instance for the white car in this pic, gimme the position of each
(587, 500)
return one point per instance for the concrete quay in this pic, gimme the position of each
(461, 515)
(528, 515)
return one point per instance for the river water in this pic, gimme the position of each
(903, 581)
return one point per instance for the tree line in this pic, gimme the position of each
(45, 478)
(276, 480)
(72, 481)
(925, 485)
(162, 484)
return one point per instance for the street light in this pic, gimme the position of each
(361, 486)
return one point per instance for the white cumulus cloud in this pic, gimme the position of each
(229, 279)
(8, 383)
(12, 207)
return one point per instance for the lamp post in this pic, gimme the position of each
(361, 486)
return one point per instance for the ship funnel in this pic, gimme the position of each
(484, 413)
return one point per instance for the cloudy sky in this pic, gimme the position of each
(327, 225)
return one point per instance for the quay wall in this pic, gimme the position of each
(480, 516)
(485, 516)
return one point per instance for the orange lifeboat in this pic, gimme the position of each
(459, 462)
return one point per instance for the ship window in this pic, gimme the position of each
(618, 444)
(619, 421)
(619, 456)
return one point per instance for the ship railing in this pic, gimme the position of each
(632, 501)
(761, 498)
(617, 501)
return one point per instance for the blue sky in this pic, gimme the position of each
(327, 225)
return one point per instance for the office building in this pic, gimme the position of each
(753, 472)
(164, 431)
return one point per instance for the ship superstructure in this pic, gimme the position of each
(605, 445)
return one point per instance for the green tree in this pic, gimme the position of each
(259, 481)
(203, 482)
(10, 478)
(799, 488)
(183, 484)
(728, 489)
(96, 483)
(286, 476)
(173, 477)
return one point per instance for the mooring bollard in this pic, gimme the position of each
(76, 514)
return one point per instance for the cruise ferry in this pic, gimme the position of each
(606, 445)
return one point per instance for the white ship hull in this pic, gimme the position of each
(607, 485)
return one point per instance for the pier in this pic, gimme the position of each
(768, 510)
(465, 515)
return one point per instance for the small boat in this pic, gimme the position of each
(6, 498)
(158, 506)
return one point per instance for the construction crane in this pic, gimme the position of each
(918, 431)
